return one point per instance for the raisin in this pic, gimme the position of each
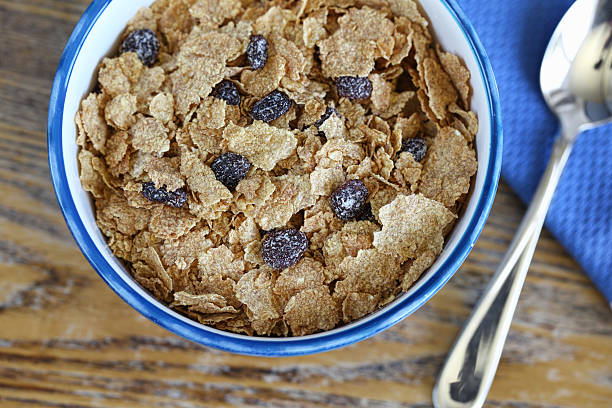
(328, 112)
(174, 198)
(230, 168)
(144, 43)
(354, 87)
(417, 147)
(348, 201)
(283, 248)
(271, 107)
(227, 91)
(257, 52)
(366, 214)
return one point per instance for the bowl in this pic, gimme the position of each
(96, 35)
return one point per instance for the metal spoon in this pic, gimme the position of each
(576, 82)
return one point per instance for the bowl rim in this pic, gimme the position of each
(259, 346)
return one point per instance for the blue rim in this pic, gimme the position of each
(244, 344)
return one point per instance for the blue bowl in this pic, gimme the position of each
(95, 36)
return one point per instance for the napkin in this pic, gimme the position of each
(515, 35)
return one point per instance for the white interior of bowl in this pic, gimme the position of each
(102, 40)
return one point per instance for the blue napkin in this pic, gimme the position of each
(515, 34)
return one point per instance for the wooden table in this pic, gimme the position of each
(66, 340)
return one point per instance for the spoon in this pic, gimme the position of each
(576, 82)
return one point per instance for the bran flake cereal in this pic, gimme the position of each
(151, 135)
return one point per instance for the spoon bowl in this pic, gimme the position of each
(576, 71)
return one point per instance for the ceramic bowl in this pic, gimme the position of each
(96, 35)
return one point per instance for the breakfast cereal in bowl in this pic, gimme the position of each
(278, 168)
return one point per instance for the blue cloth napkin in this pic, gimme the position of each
(515, 34)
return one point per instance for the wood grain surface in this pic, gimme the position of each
(66, 340)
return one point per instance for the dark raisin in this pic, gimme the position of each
(366, 214)
(257, 52)
(230, 168)
(227, 91)
(349, 200)
(271, 107)
(354, 87)
(328, 112)
(144, 43)
(283, 248)
(417, 147)
(174, 198)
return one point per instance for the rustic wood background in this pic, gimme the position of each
(66, 340)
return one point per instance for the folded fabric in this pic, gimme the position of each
(515, 35)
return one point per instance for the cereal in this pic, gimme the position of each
(220, 261)
(333, 127)
(92, 119)
(118, 75)
(458, 73)
(291, 195)
(255, 291)
(357, 305)
(371, 271)
(277, 168)
(407, 8)
(201, 179)
(449, 168)
(314, 28)
(201, 65)
(119, 112)
(208, 303)
(381, 93)
(151, 258)
(174, 20)
(165, 172)
(311, 310)
(262, 82)
(214, 12)
(329, 111)
(354, 236)
(407, 172)
(113, 214)
(162, 107)
(324, 181)
(116, 150)
(168, 222)
(363, 35)
(184, 251)
(90, 177)
(308, 273)
(411, 224)
(147, 278)
(149, 135)
(211, 113)
(439, 87)
(262, 144)
(296, 63)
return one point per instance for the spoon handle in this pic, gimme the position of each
(470, 366)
